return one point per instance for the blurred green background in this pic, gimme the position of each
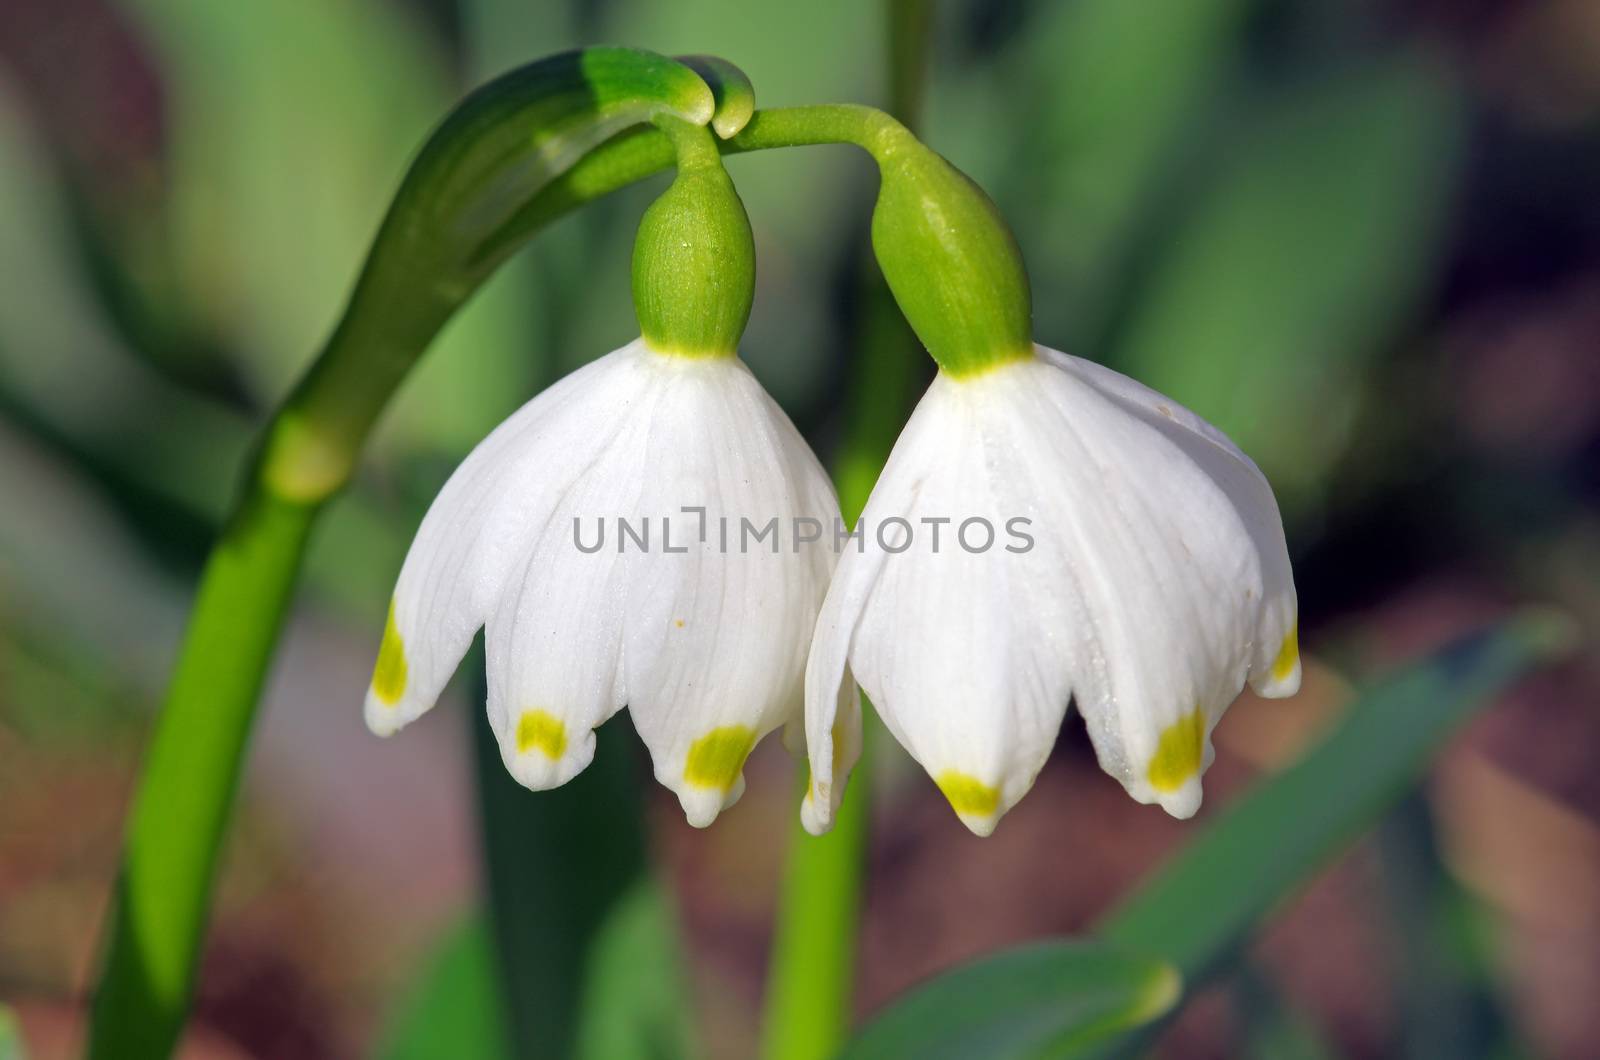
(1363, 238)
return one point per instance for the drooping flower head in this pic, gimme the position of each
(590, 535)
(1046, 531)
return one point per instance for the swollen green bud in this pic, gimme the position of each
(694, 270)
(950, 259)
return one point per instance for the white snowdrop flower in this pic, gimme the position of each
(1134, 563)
(688, 618)
(1046, 531)
(696, 608)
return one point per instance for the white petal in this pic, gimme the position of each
(716, 635)
(475, 535)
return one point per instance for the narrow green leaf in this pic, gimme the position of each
(560, 864)
(1115, 91)
(1270, 1027)
(635, 999)
(455, 1008)
(1204, 905)
(1044, 999)
(10, 1036)
(64, 374)
(1296, 260)
(1449, 1003)
(287, 124)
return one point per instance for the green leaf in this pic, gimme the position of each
(1116, 90)
(1206, 904)
(455, 1009)
(10, 1036)
(1448, 1001)
(560, 864)
(1270, 1027)
(635, 1002)
(288, 125)
(1045, 999)
(63, 371)
(1297, 260)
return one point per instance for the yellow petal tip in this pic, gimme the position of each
(540, 730)
(1288, 655)
(389, 675)
(969, 796)
(1178, 755)
(716, 758)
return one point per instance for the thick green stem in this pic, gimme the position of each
(181, 810)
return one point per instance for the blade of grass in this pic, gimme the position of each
(1206, 904)
(1044, 999)
(454, 1009)
(634, 1004)
(10, 1036)
(1287, 266)
(1450, 1006)
(558, 863)
(1272, 1028)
